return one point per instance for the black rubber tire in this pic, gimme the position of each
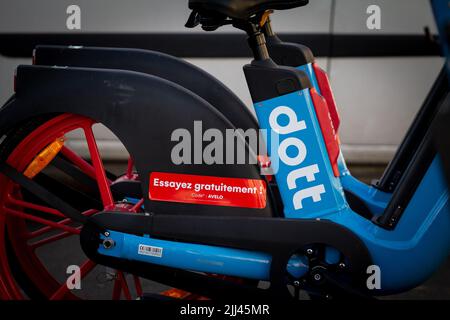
(13, 138)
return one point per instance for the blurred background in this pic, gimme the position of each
(379, 77)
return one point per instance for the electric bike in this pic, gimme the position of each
(294, 218)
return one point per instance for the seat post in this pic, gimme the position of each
(257, 43)
(268, 28)
(256, 39)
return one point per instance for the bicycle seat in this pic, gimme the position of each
(243, 9)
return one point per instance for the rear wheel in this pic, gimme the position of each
(39, 246)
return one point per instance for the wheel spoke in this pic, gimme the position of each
(123, 280)
(27, 216)
(85, 268)
(117, 290)
(103, 184)
(130, 168)
(137, 206)
(53, 238)
(43, 230)
(82, 164)
(137, 285)
(34, 206)
(53, 225)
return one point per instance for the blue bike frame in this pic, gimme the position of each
(406, 255)
(375, 199)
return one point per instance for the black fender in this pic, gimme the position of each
(155, 63)
(141, 110)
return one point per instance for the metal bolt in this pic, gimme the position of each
(310, 251)
(106, 234)
(108, 243)
(296, 283)
(342, 265)
(317, 277)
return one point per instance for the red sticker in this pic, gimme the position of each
(215, 191)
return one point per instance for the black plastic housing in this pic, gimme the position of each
(287, 53)
(267, 80)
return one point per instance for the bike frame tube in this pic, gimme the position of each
(375, 199)
(291, 54)
(408, 255)
(421, 235)
(304, 174)
(309, 70)
(422, 231)
(197, 257)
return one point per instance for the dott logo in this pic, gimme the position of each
(306, 173)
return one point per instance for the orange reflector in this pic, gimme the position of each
(176, 293)
(44, 158)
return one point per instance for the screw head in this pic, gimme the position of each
(309, 251)
(106, 234)
(342, 265)
(317, 277)
(296, 283)
(108, 243)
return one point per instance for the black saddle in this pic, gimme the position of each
(243, 9)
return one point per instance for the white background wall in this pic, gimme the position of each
(377, 97)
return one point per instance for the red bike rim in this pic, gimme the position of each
(14, 218)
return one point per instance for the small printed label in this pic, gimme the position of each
(150, 251)
(215, 191)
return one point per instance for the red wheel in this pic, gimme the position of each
(33, 235)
